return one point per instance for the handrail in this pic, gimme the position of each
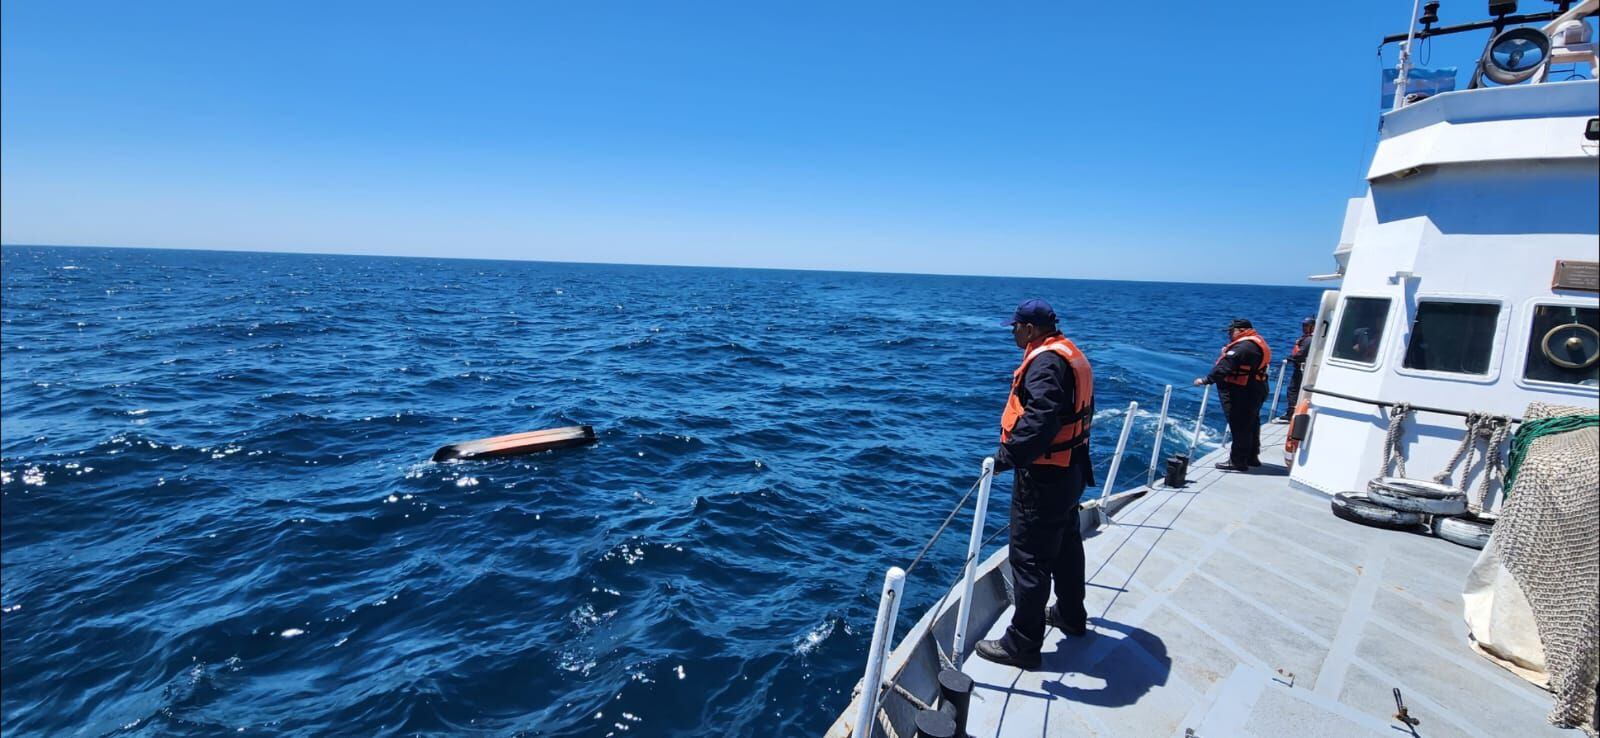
(1161, 427)
(1116, 460)
(1277, 388)
(974, 544)
(952, 516)
(874, 687)
(888, 606)
(1199, 421)
(1380, 403)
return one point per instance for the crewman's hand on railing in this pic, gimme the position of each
(1002, 460)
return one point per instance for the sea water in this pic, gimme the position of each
(219, 514)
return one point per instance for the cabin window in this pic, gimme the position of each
(1563, 345)
(1453, 337)
(1361, 329)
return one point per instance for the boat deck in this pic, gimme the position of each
(1239, 606)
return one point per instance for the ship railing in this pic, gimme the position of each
(1277, 388)
(1387, 405)
(874, 687)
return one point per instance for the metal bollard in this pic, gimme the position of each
(1199, 421)
(955, 695)
(1161, 428)
(1177, 471)
(935, 724)
(872, 682)
(1276, 388)
(959, 641)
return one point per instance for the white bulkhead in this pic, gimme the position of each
(1449, 293)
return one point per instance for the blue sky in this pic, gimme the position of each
(1020, 139)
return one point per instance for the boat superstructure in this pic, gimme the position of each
(1463, 266)
(1238, 604)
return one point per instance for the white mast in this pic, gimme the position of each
(1405, 59)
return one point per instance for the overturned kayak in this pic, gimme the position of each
(518, 443)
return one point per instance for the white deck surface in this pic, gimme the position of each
(1199, 596)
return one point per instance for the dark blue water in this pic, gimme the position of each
(219, 514)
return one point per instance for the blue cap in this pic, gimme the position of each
(1035, 312)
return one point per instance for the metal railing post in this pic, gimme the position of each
(1276, 388)
(872, 682)
(959, 642)
(1161, 427)
(1116, 460)
(1199, 421)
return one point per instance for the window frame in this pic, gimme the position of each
(1497, 351)
(1525, 334)
(1383, 340)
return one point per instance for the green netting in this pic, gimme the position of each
(1533, 430)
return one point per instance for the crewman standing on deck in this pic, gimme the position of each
(1044, 436)
(1297, 365)
(1241, 378)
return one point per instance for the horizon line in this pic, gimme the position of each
(823, 270)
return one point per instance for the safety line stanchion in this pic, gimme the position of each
(1199, 421)
(1278, 387)
(1161, 427)
(872, 682)
(959, 642)
(1116, 461)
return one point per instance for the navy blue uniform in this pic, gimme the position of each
(1046, 545)
(1297, 373)
(1241, 403)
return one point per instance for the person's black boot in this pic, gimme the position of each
(1229, 466)
(1255, 463)
(1056, 621)
(996, 651)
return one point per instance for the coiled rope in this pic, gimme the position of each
(1444, 477)
(1391, 441)
(1494, 466)
(1492, 429)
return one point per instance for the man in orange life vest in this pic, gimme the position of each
(1297, 366)
(1044, 436)
(1241, 378)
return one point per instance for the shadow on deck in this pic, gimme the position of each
(1239, 606)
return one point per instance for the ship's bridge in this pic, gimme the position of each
(1469, 267)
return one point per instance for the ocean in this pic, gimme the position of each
(219, 513)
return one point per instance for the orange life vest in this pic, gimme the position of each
(1074, 430)
(1244, 374)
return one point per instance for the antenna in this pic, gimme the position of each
(1405, 59)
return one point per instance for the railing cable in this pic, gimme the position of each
(942, 526)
